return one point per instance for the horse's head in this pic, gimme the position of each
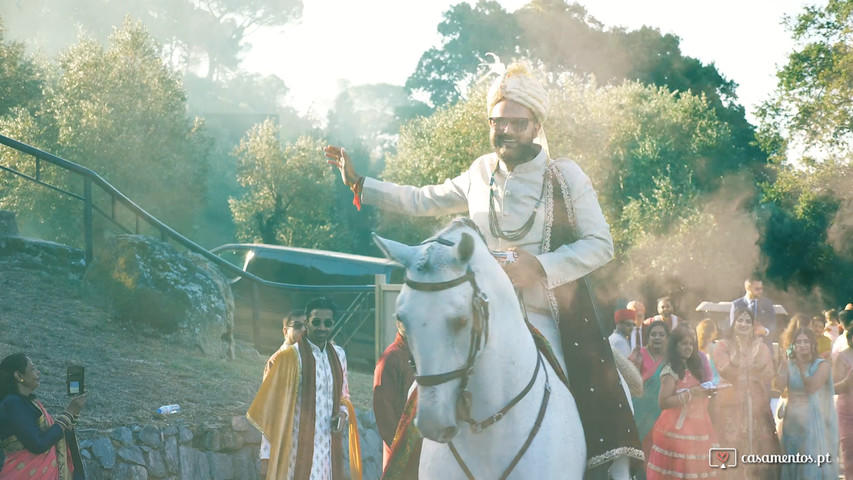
(446, 316)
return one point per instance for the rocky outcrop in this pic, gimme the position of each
(148, 283)
(18, 252)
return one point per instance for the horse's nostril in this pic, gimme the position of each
(449, 433)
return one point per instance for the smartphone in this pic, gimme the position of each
(75, 379)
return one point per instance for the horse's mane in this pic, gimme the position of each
(464, 222)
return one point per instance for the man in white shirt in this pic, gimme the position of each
(636, 336)
(547, 212)
(664, 314)
(624, 320)
(302, 436)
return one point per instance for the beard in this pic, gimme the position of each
(513, 150)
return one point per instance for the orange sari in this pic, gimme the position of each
(21, 464)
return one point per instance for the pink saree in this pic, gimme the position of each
(22, 464)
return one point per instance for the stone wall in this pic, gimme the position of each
(214, 450)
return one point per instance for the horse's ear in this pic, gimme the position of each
(399, 252)
(465, 248)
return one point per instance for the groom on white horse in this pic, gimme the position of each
(547, 213)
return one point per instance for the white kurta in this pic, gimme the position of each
(620, 344)
(516, 194)
(321, 467)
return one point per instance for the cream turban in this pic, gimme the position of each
(517, 84)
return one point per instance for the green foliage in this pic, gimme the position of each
(122, 113)
(650, 153)
(194, 33)
(21, 79)
(469, 33)
(430, 150)
(813, 103)
(807, 129)
(798, 210)
(565, 39)
(289, 196)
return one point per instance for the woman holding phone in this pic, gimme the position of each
(35, 444)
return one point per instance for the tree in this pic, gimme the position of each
(651, 153)
(122, 113)
(430, 150)
(289, 195)
(806, 128)
(21, 79)
(813, 102)
(195, 33)
(797, 212)
(469, 33)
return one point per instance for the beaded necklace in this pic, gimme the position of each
(494, 226)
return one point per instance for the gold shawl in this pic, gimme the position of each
(272, 411)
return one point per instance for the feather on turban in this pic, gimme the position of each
(517, 84)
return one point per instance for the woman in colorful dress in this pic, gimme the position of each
(742, 416)
(706, 334)
(683, 434)
(842, 373)
(810, 426)
(35, 444)
(649, 361)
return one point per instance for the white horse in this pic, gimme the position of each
(489, 405)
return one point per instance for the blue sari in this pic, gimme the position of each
(810, 427)
(646, 407)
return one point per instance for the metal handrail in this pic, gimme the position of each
(166, 232)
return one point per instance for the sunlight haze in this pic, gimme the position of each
(381, 41)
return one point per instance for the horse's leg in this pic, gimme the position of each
(548, 328)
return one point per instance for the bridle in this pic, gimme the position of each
(479, 337)
(479, 327)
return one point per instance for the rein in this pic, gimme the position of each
(546, 395)
(479, 330)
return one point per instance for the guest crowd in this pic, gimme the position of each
(742, 393)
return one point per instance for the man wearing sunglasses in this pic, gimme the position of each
(293, 328)
(547, 212)
(301, 407)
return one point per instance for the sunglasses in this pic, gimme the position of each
(327, 322)
(517, 124)
(297, 325)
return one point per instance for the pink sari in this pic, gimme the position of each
(21, 464)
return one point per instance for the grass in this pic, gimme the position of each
(129, 371)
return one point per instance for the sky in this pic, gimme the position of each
(341, 42)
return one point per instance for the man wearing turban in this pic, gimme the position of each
(547, 212)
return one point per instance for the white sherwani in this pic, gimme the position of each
(516, 194)
(321, 467)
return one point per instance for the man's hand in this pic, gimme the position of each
(525, 270)
(265, 465)
(339, 158)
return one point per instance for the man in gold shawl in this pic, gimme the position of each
(303, 405)
(547, 211)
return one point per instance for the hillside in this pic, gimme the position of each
(129, 372)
